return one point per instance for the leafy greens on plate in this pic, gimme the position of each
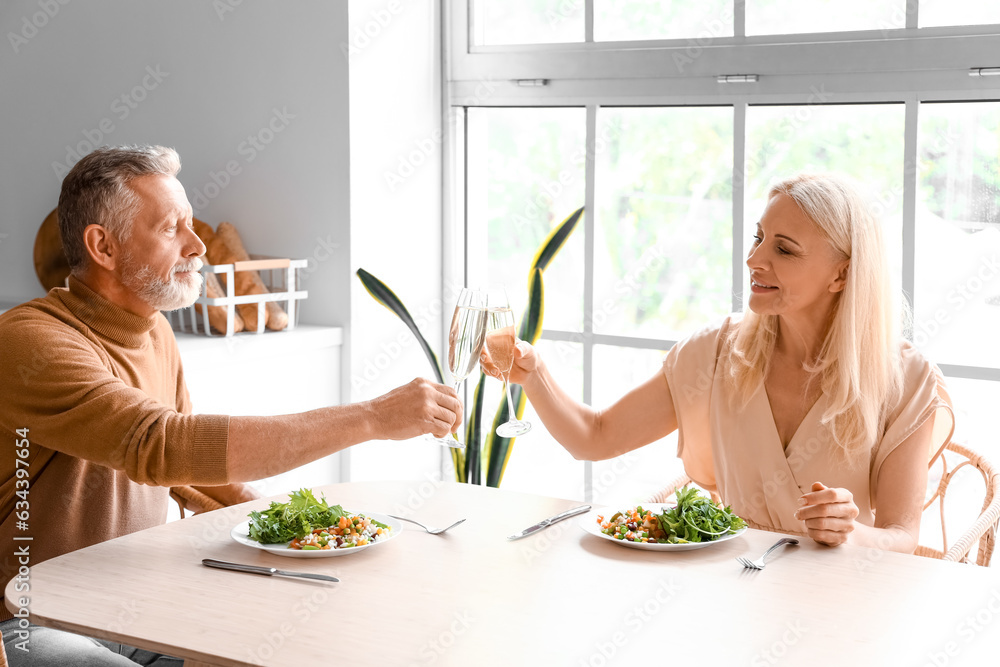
(694, 518)
(282, 522)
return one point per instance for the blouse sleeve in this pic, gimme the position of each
(690, 369)
(924, 397)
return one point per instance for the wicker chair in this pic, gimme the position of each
(955, 457)
(190, 498)
(984, 529)
(665, 494)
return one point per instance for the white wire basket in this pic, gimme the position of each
(279, 275)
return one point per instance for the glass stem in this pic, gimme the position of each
(456, 384)
(511, 417)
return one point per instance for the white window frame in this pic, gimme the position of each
(907, 66)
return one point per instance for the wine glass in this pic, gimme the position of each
(465, 343)
(500, 344)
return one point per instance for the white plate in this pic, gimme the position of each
(241, 533)
(589, 523)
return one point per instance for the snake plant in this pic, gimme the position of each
(468, 462)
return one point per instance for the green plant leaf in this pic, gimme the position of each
(385, 296)
(459, 461)
(534, 311)
(473, 435)
(555, 240)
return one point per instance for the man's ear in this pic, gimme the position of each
(102, 247)
(840, 282)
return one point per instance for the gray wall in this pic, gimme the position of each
(220, 77)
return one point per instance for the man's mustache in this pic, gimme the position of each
(194, 265)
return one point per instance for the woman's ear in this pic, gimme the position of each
(840, 282)
(102, 247)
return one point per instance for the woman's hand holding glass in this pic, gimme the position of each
(501, 345)
(525, 363)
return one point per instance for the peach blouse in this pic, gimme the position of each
(738, 453)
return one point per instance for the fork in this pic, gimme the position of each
(759, 563)
(432, 531)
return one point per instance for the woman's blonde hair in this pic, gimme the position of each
(859, 363)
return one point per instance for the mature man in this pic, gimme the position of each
(93, 393)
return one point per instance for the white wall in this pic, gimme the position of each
(395, 68)
(220, 76)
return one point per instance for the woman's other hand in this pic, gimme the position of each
(526, 361)
(828, 513)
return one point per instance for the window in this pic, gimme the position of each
(782, 17)
(669, 120)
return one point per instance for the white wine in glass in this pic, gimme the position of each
(500, 344)
(465, 342)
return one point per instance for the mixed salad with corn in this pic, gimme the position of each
(695, 518)
(350, 531)
(310, 524)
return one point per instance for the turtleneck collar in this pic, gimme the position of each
(106, 318)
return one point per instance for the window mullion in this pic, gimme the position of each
(588, 21)
(910, 169)
(588, 283)
(739, 18)
(739, 198)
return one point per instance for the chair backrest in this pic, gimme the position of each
(983, 528)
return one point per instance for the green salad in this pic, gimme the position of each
(283, 522)
(695, 518)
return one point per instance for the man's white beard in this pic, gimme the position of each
(158, 293)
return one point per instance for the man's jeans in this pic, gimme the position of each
(53, 648)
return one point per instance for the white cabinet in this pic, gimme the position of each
(271, 373)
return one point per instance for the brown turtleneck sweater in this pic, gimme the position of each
(101, 393)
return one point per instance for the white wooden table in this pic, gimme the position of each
(559, 597)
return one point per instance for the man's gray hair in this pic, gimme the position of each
(96, 192)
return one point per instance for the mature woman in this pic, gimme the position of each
(809, 412)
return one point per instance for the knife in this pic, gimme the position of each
(545, 523)
(258, 569)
